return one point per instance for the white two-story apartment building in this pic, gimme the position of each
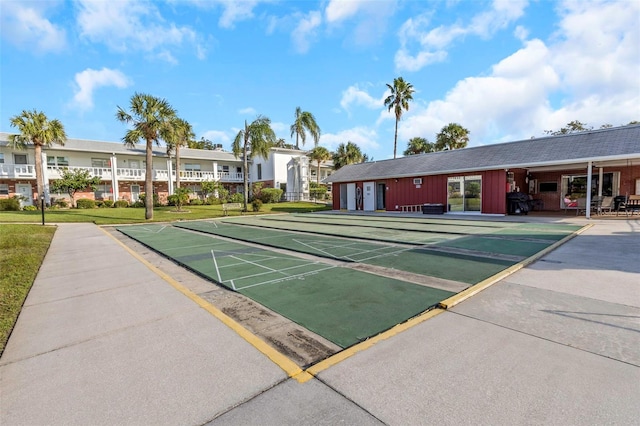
(122, 170)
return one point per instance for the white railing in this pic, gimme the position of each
(230, 176)
(130, 174)
(55, 172)
(17, 171)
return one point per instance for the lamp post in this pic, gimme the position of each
(42, 207)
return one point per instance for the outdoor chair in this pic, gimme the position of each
(606, 205)
(581, 206)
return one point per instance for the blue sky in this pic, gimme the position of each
(504, 69)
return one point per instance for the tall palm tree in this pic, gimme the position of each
(257, 137)
(452, 136)
(150, 118)
(319, 154)
(178, 134)
(305, 121)
(36, 129)
(347, 154)
(418, 146)
(398, 100)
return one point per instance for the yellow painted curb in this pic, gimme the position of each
(289, 367)
(347, 353)
(482, 285)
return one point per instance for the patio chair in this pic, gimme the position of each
(581, 206)
(606, 205)
(622, 205)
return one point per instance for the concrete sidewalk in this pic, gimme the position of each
(103, 339)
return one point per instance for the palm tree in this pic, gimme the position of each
(347, 154)
(36, 129)
(398, 100)
(178, 134)
(418, 146)
(319, 154)
(150, 118)
(257, 137)
(305, 121)
(452, 136)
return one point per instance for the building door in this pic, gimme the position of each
(369, 196)
(351, 196)
(380, 194)
(26, 191)
(135, 193)
(464, 194)
(343, 196)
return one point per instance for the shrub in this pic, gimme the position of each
(318, 192)
(212, 201)
(61, 203)
(196, 202)
(10, 204)
(29, 208)
(107, 203)
(85, 203)
(256, 205)
(271, 195)
(138, 204)
(99, 203)
(172, 200)
(236, 198)
(142, 197)
(121, 203)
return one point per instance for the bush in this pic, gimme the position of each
(172, 200)
(271, 195)
(256, 205)
(29, 208)
(61, 203)
(236, 198)
(121, 204)
(318, 192)
(99, 203)
(85, 203)
(107, 203)
(10, 204)
(196, 202)
(212, 201)
(141, 197)
(138, 204)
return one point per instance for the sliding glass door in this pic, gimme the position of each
(464, 193)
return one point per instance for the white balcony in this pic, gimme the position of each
(15, 171)
(55, 172)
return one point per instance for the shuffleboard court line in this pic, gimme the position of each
(215, 263)
(254, 264)
(315, 248)
(290, 277)
(271, 272)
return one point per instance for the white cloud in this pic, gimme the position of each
(306, 30)
(367, 20)
(247, 111)
(89, 80)
(232, 10)
(125, 25)
(24, 25)
(218, 136)
(364, 137)
(356, 96)
(430, 45)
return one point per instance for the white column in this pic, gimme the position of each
(589, 179)
(114, 178)
(600, 180)
(45, 180)
(169, 169)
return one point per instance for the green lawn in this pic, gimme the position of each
(110, 216)
(22, 249)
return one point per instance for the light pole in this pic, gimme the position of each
(42, 207)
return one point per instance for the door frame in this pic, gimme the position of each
(29, 199)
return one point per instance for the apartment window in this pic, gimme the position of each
(191, 167)
(238, 169)
(100, 162)
(20, 159)
(1, 158)
(223, 169)
(4, 189)
(57, 161)
(259, 171)
(103, 191)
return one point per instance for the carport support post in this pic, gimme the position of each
(589, 179)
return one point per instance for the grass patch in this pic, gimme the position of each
(111, 216)
(22, 250)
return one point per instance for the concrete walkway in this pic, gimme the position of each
(103, 339)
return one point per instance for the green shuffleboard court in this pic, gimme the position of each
(343, 305)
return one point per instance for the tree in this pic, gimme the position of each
(398, 100)
(319, 154)
(305, 121)
(571, 127)
(72, 181)
(36, 129)
(258, 137)
(150, 118)
(418, 146)
(179, 134)
(452, 136)
(201, 144)
(347, 154)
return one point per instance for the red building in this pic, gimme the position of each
(585, 165)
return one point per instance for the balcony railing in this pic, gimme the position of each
(18, 171)
(28, 171)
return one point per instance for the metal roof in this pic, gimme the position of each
(617, 143)
(83, 145)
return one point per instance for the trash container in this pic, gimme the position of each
(432, 208)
